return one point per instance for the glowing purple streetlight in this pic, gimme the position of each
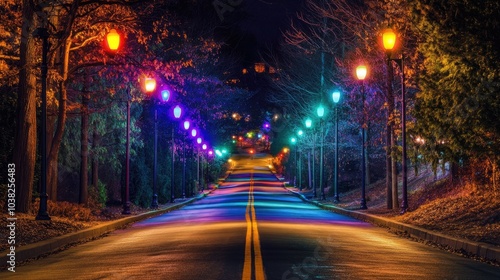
(187, 124)
(194, 132)
(177, 111)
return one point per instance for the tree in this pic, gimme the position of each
(458, 106)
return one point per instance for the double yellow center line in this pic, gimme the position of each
(252, 238)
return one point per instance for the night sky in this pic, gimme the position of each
(254, 27)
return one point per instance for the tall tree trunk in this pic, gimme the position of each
(83, 198)
(25, 139)
(52, 160)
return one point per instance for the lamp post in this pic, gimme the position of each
(300, 133)
(42, 210)
(177, 114)
(150, 86)
(293, 142)
(187, 124)
(389, 40)
(198, 141)
(113, 41)
(311, 178)
(361, 75)
(336, 99)
(321, 112)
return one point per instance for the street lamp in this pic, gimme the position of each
(186, 124)
(389, 40)
(311, 178)
(113, 42)
(177, 114)
(149, 87)
(336, 99)
(300, 133)
(361, 72)
(321, 112)
(293, 142)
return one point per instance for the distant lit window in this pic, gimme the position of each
(272, 70)
(244, 71)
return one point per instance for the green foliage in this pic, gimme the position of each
(99, 194)
(458, 107)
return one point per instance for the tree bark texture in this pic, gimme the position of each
(25, 137)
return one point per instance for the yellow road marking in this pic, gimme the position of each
(252, 238)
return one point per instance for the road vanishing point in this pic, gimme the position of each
(251, 227)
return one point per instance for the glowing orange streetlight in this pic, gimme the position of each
(361, 72)
(388, 39)
(149, 84)
(113, 40)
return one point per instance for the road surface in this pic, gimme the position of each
(252, 228)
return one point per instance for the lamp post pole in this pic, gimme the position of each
(336, 98)
(154, 203)
(172, 177)
(363, 166)
(42, 210)
(321, 113)
(361, 72)
(389, 40)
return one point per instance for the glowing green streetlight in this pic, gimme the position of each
(308, 123)
(320, 111)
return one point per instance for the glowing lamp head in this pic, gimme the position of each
(194, 132)
(320, 111)
(308, 123)
(204, 146)
(198, 140)
(300, 132)
(388, 39)
(149, 84)
(210, 153)
(177, 111)
(165, 95)
(187, 124)
(113, 40)
(361, 71)
(293, 140)
(336, 96)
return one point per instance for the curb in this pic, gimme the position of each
(480, 249)
(38, 249)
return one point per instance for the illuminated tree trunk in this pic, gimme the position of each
(25, 137)
(52, 161)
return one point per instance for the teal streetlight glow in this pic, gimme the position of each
(293, 140)
(300, 132)
(165, 95)
(320, 111)
(308, 123)
(336, 96)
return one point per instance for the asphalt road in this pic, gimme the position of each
(252, 228)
